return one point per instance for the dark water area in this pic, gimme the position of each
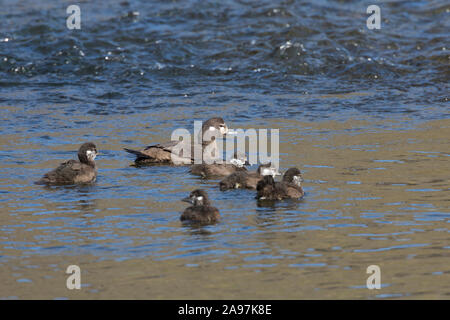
(363, 113)
(130, 56)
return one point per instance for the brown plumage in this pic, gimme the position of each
(220, 169)
(215, 170)
(293, 179)
(73, 171)
(201, 211)
(245, 179)
(289, 188)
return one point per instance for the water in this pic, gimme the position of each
(363, 113)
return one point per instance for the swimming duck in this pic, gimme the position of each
(247, 180)
(289, 188)
(73, 171)
(220, 169)
(166, 153)
(201, 210)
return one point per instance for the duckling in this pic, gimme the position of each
(247, 180)
(289, 187)
(268, 189)
(201, 211)
(162, 153)
(220, 169)
(293, 179)
(73, 171)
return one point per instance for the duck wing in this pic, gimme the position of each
(293, 191)
(202, 214)
(146, 152)
(66, 172)
(167, 146)
(163, 151)
(179, 148)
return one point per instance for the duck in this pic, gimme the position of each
(201, 210)
(172, 152)
(245, 179)
(72, 171)
(289, 188)
(235, 164)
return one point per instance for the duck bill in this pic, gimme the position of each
(188, 200)
(230, 132)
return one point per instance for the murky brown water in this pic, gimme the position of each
(377, 193)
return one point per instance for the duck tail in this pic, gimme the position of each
(42, 181)
(135, 152)
(141, 158)
(138, 154)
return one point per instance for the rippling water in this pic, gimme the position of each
(363, 113)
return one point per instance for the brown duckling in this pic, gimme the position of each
(73, 171)
(201, 210)
(289, 188)
(247, 180)
(220, 169)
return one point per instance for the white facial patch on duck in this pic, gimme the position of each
(297, 180)
(91, 154)
(198, 200)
